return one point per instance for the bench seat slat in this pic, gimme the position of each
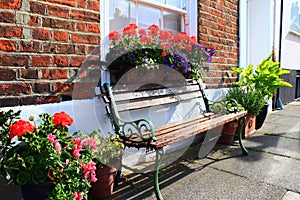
(155, 101)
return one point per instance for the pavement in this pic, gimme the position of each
(271, 171)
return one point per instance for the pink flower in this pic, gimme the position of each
(67, 162)
(89, 171)
(76, 153)
(51, 137)
(91, 143)
(77, 196)
(57, 146)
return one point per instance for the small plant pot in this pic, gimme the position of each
(104, 186)
(261, 117)
(249, 127)
(230, 128)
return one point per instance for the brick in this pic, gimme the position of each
(94, 5)
(58, 11)
(55, 74)
(8, 102)
(8, 17)
(40, 61)
(34, 21)
(38, 8)
(85, 16)
(41, 34)
(81, 50)
(41, 88)
(29, 74)
(94, 28)
(8, 74)
(61, 61)
(14, 60)
(48, 99)
(62, 87)
(29, 46)
(59, 24)
(59, 48)
(85, 39)
(10, 31)
(77, 61)
(7, 45)
(81, 4)
(31, 100)
(10, 4)
(81, 26)
(12, 89)
(61, 36)
(71, 3)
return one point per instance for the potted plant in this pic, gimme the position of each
(265, 78)
(34, 155)
(106, 151)
(151, 47)
(252, 101)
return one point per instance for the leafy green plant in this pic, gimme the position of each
(264, 78)
(46, 153)
(104, 148)
(251, 100)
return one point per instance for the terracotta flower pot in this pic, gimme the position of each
(249, 127)
(106, 175)
(230, 128)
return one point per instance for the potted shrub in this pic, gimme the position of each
(106, 151)
(252, 101)
(265, 78)
(46, 155)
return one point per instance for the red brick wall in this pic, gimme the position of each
(42, 45)
(218, 28)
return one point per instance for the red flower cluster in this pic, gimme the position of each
(20, 128)
(62, 119)
(131, 30)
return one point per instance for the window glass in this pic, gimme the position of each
(177, 3)
(172, 21)
(148, 16)
(121, 13)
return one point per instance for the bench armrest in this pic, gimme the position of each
(225, 106)
(141, 130)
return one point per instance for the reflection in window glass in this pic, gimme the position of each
(172, 21)
(121, 14)
(148, 16)
(177, 3)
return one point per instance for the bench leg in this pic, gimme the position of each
(159, 156)
(240, 131)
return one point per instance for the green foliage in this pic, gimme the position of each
(252, 100)
(105, 148)
(46, 155)
(264, 78)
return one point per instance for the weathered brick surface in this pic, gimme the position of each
(38, 57)
(218, 28)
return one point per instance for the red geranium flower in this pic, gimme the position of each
(146, 39)
(153, 30)
(115, 35)
(164, 54)
(20, 128)
(130, 30)
(62, 119)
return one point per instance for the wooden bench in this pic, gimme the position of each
(141, 133)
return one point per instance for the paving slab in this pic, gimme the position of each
(214, 184)
(264, 167)
(285, 130)
(291, 196)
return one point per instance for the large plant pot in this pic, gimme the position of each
(261, 117)
(249, 127)
(103, 187)
(230, 128)
(32, 191)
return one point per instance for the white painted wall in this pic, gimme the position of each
(290, 58)
(260, 30)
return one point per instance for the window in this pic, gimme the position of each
(177, 15)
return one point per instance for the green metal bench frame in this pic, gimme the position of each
(141, 133)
